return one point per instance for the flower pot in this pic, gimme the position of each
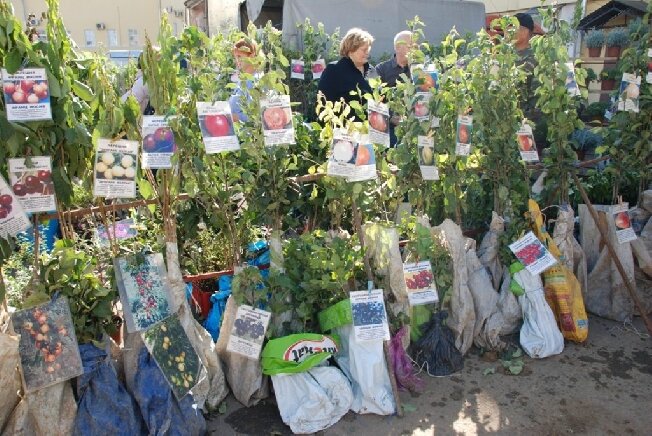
(594, 52)
(608, 84)
(613, 52)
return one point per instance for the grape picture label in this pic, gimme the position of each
(426, 152)
(420, 283)
(297, 69)
(369, 316)
(378, 116)
(248, 332)
(532, 254)
(352, 156)
(278, 127)
(26, 95)
(623, 223)
(31, 181)
(216, 123)
(13, 219)
(158, 142)
(115, 168)
(526, 146)
(464, 133)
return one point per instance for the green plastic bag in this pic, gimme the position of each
(336, 316)
(297, 353)
(419, 315)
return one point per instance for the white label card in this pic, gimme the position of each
(420, 283)
(248, 332)
(32, 183)
(115, 168)
(532, 254)
(27, 95)
(369, 316)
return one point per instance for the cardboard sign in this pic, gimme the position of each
(27, 95)
(115, 168)
(369, 316)
(532, 254)
(216, 123)
(420, 283)
(158, 142)
(378, 116)
(31, 181)
(248, 332)
(426, 152)
(278, 127)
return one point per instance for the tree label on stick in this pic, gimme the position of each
(369, 316)
(248, 332)
(278, 127)
(534, 256)
(622, 222)
(216, 122)
(27, 95)
(526, 145)
(425, 77)
(464, 133)
(648, 76)
(158, 142)
(426, 152)
(420, 283)
(571, 82)
(628, 95)
(421, 106)
(297, 69)
(31, 181)
(13, 219)
(378, 115)
(115, 168)
(352, 156)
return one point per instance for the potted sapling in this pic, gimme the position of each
(616, 40)
(594, 42)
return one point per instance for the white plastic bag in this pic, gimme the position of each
(540, 335)
(490, 247)
(364, 365)
(314, 400)
(572, 254)
(10, 383)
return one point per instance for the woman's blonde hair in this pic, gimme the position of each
(353, 40)
(244, 47)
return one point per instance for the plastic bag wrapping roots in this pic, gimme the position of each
(462, 318)
(163, 414)
(642, 249)
(435, 352)
(485, 299)
(244, 375)
(572, 255)
(211, 389)
(540, 337)
(490, 247)
(314, 400)
(104, 406)
(48, 411)
(405, 373)
(364, 365)
(606, 294)
(10, 383)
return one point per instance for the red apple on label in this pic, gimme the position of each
(20, 189)
(427, 82)
(32, 181)
(149, 143)
(463, 134)
(27, 85)
(275, 118)
(44, 175)
(18, 97)
(6, 200)
(3, 213)
(9, 88)
(32, 99)
(420, 109)
(7, 209)
(622, 220)
(377, 121)
(297, 68)
(363, 155)
(317, 68)
(216, 125)
(41, 91)
(163, 134)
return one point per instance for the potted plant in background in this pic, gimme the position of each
(594, 111)
(616, 40)
(594, 41)
(591, 76)
(608, 78)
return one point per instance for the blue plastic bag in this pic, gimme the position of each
(104, 406)
(163, 414)
(214, 319)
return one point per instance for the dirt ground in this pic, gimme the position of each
(601, 387)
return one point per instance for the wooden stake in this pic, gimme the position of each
(619, 266)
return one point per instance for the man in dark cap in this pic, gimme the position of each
(528, 100)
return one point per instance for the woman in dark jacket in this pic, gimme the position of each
(350, 73)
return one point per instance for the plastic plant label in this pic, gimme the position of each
(248, 332)
(648, 76)
(420, 283)
(425, 77)
(420, 107)
(378, 116)
(31, 181)
(26, 94)
(158, 142)
(526, 146)
(124, 229)
(571, 82)
(277, 120)
(426, 152)
(48, 348)
(297, 69)
(352, 156)
(216, 124)
(622, 223)
(369, 316)
(628, 95)
(532, 254)
(318, 68)
(464, 133)
(434, 123)
(115, 168)
(13, 219)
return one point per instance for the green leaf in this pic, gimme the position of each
(82, 90)
(13, 60)
(516, 369)
(488, 371)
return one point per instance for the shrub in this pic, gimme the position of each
(618, 37)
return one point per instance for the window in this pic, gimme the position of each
(112, 36)
(89, 36)
(133, 38)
